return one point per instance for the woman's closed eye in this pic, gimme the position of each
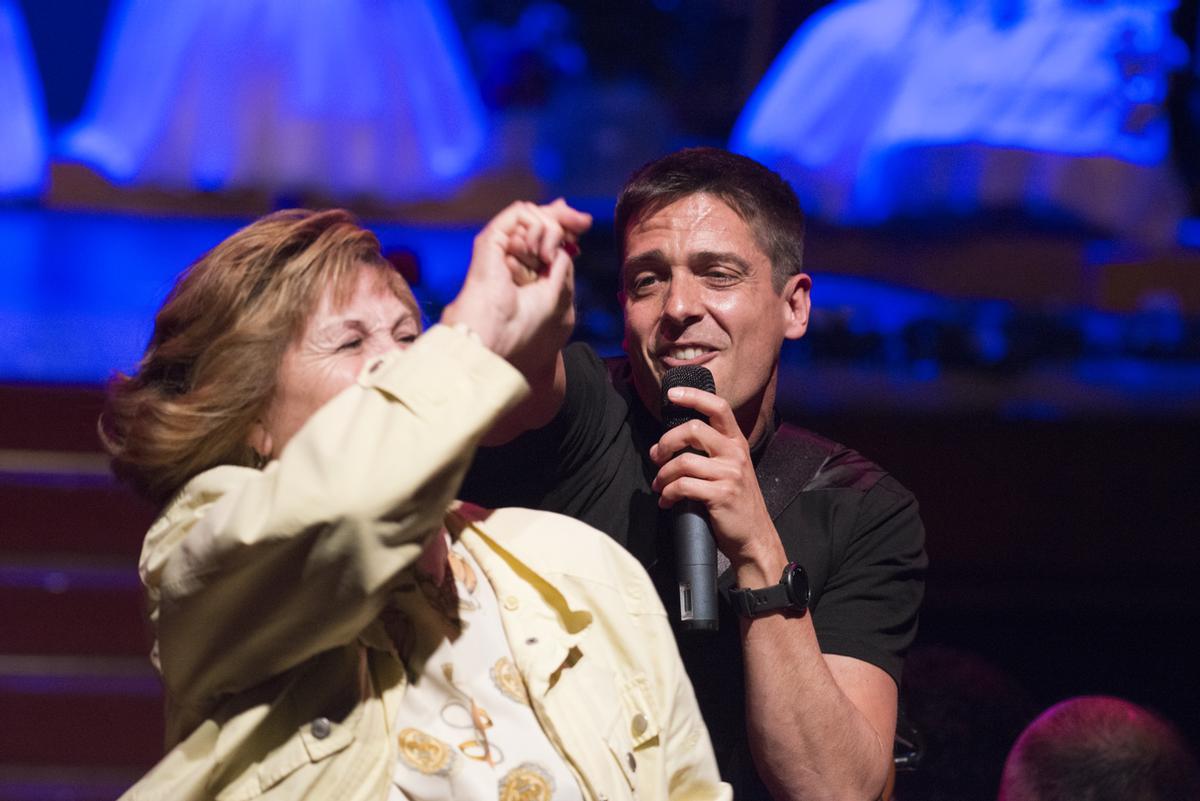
(350, 344)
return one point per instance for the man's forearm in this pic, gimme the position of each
(547, 389)
(808, 735)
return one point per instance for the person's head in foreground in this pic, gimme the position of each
(968, 712)
(252, 340)
(711, 247)
(328, 622)
(1098, 748)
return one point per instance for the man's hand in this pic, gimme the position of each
(518, 295)
(795, 756)
(724, 481)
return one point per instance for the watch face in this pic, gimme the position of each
(796, 581)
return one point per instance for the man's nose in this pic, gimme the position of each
(682, 304)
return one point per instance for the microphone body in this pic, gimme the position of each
(695, 548)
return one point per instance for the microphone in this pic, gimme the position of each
(695, 549)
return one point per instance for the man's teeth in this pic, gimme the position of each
(687, 353)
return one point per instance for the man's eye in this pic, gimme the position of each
(721, 276)
(352, 344)
(641, 282)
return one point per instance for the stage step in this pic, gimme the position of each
(63, 606)
(82, 710)
(29, 782)
(67, 502)
(75, 677)
(50, 417)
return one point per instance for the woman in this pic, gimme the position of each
(328, 624)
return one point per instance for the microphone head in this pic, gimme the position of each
(688, 375)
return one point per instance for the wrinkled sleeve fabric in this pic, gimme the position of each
(250, 572)
(868, 609)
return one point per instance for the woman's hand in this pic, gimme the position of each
(519, 292)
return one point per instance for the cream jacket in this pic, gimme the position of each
(264, 589)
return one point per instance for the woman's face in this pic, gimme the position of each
(332, 350)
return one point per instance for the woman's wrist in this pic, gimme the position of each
(473, 326)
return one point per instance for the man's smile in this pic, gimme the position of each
(677, 355)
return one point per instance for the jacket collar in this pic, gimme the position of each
(547, 626)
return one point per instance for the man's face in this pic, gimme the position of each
(697, 289)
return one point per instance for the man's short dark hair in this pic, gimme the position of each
(1097, 748)
(765, 201)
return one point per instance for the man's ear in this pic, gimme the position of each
(261, 441)
(798, 304)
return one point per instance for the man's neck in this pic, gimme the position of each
(756, 418)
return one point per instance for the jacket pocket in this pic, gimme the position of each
(634, 731)
(314, 743)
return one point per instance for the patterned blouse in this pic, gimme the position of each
(465, 727)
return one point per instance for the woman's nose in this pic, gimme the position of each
(382, 345)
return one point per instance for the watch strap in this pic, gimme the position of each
(754, 603)
(791, 594)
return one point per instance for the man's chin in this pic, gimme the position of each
(647, 381)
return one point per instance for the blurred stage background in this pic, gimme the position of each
(1003, 238)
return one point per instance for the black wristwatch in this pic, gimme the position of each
(789, 595)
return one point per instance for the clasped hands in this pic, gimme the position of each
(519, 293)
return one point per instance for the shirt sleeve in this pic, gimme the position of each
(556, 468)
(252, 572)
(868, 608)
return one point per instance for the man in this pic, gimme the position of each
(1100, 749)
(801, 701)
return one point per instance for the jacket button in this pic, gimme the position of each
(632, 760)
(511, 602)
(321, 728)
(639, 724)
